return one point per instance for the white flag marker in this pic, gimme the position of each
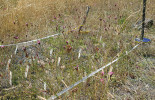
(100, 38)
(10, 81)
(51, 51)
(45, 86)
(26, 71)
(126, 52)
(44, 89)
(79, 53)
(59, 59)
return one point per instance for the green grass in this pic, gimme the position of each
(105, 20)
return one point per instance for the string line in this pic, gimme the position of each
(86, 77)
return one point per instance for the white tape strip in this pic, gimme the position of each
(86, 77)
(30, 42)
(8, 64)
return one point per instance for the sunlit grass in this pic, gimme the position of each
(107, 34)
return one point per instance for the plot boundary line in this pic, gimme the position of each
(33, 40)
(28, 42)
(86, 77)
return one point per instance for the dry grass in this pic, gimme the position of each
(39, 15)
(110, 19)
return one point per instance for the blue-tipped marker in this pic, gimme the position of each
(144, 40)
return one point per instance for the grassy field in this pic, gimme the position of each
(107, 34)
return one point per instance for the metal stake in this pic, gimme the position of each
(143, 19)
(142, 39)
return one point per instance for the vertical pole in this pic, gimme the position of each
(143, 19)
(84, 21)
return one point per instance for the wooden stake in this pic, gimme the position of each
(84, 21)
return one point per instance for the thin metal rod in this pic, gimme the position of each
(84, 21)
(143, 19)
